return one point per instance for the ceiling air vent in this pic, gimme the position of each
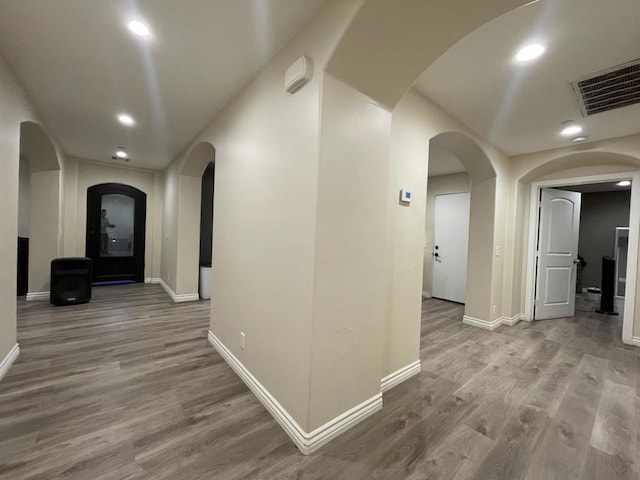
(613, 88)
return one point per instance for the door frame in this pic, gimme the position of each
(632, 259)
(140, 208)
(434, 261)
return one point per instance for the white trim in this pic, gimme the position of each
(184, 297)
(632, 257)
(477, 322)
(8, 360)
(426, 294)
(36, 296)
(635, 341)
(307, 442)
(152, 280)
(399, 376)
(511, 321)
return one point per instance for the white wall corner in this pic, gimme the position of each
(37, 296)
(511, 321)
(184, 297)
(485, 324)
(426, 294)
(399, 376)
(307, 442)
(8, 360)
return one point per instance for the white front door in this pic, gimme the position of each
(557, 253)
(451, 241)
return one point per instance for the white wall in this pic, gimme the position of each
(15, 110)
(266, 152)
(24, 199)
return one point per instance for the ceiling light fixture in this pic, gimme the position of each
(570, 128)
(121, 154)
(530, 52)
(139, 28)
(581, 138)
(624, 183)
(126, 119)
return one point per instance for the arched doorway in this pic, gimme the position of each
(185, 285)
(480, 215)
(115, 241)
(39, 206)
(574, 169)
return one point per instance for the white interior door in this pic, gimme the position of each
(451, 242)
(557, 254)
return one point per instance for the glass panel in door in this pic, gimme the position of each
(116, 225)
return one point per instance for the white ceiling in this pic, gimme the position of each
(81, 66)
(519, 108)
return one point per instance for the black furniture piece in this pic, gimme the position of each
(23, 266)
(608, 286)
(70, 280)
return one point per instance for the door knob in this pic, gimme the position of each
(436, 254)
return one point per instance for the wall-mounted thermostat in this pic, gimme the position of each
(405, 195)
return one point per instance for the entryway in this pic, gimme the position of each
(116, 215)
(562, 242)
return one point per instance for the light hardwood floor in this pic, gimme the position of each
(127, 388)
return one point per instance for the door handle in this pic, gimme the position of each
(436, 254)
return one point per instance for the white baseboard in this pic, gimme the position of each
(426, 294)
(152, 280)
(635, 341)
(8, 360)
(37, 296)
(511, 321)
(399, 376)
(307, 442)
(477, 322)
(184, 297)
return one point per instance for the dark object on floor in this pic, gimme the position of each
(70, 281)
(23, 266)
(608, 274)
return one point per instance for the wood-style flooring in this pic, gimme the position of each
(128, 388)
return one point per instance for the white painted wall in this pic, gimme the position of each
(15, 110)
(24, 199)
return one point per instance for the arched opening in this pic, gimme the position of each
(206, 231)
(39, 207)
(458, 261)
(116, 233)
(194, 240)
(591, 174)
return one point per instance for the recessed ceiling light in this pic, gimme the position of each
(121, 154)
(530, 52)
(624, 183)
(138, 28)
(570, 129)
(581, 138)
(126, 119)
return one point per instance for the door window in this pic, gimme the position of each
(116, 225)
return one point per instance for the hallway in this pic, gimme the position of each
(127, 387)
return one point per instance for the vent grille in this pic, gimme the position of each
(614, 88)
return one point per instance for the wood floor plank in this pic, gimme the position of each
(127, 387)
